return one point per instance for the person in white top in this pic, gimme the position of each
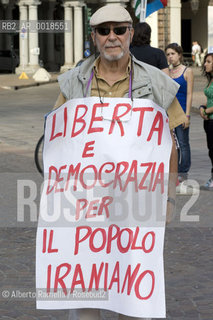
(196, 51)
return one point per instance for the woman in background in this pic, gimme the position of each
(206, 112)
(184, 77)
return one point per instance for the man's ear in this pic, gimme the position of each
(131, 34)
(93, 35)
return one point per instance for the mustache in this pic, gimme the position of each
(112, 45)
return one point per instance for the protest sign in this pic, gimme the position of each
(102, 214)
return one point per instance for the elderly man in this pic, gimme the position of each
(115, 73)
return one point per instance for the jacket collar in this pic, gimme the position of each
(139, 79)
(85, 70)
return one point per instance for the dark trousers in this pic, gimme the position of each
(208, 127)
(184, 153)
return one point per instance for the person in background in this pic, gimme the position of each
(206, 112)
(196, 51)
(142, 50)
(184, 77)
(202, 55)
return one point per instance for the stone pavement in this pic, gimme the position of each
(188, 245)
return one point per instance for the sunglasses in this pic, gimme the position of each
(119, 31)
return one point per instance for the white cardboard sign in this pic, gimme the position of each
(101, 228)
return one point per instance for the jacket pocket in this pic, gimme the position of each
(143, 92)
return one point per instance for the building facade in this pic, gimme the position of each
(182, 21)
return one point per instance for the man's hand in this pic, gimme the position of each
(170, 210)
(186, 123)
(172, 181)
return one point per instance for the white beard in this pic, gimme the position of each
(113, 57)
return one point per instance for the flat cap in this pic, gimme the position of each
(110, 13)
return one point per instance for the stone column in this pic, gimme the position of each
(68, 38)
(78, 32)
(9, 37)
(175, 21)
(152, 20)
(33, 40)
(50, 39)
(23, 41)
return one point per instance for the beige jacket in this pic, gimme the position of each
(148, 83)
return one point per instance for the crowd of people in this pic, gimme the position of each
(172, 63)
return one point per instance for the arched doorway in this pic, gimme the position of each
(194, 23)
